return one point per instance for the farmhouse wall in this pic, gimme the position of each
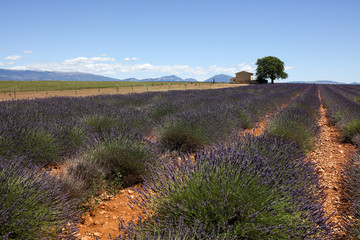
(242, 78)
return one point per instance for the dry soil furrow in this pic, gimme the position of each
(104, 220)
(260, 126)
(122, 90)
(329, 154)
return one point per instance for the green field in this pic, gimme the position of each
(28, 86)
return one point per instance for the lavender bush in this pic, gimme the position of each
(243, 190)
(351, 183)
(32, 205)
(111, 161)
(298, 122)
(124, 156)
(343, 112)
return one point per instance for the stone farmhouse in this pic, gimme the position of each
(244, 77)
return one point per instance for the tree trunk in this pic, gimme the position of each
(272, 81)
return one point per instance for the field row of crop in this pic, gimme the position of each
(343, 108)
(27, 86)
(251, 187)
(237, 187)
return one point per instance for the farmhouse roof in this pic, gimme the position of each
(246, 72)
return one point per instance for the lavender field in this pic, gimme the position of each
(203, 177)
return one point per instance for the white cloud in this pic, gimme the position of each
(1, 64)
(131, 59)
(28, 52)
(288, 67)
(246, 67)
(110, 67)
(13, 57)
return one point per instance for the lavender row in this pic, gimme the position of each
(299, 121)
(49, 130)
(342, 112)
(345, 113)
(351, 186)
(251, 188)
(352, 92)
(126, 155)
(191, 129)
(33, 205)
(103, 137)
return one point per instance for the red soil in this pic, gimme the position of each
(121, 90)
(105, 219)
(330, 153)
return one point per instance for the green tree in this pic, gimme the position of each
(270, 68)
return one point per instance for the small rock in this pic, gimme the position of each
(102, 212)
(130, 191)
(341, 151)
(96, 223)
(321, 171)
(90, 220)
(107, 216)
(114, 218)
(96, 234)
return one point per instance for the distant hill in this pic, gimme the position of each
(219, 78)
(318, 82)
(28, 75)
(171, 78)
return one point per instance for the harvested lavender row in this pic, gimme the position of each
(32, 204)
(252, 188)
(298, 122)
(342, 112)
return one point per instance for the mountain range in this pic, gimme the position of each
(30, 75)
(219, 78)
(322, 82)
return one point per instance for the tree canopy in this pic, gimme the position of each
(270, 68)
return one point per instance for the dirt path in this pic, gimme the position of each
(105, 219)
(260, 126)
(330, 154)
(121, 90)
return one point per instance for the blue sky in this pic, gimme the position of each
(316, 39)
